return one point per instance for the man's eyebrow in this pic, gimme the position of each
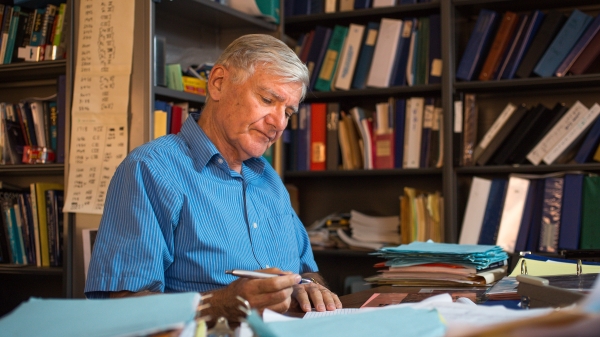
(273, 93)
(278, 97)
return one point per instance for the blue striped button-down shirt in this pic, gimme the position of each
(176, 217)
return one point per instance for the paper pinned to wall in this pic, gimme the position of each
(99, 131)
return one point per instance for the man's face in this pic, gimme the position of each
(253, 114)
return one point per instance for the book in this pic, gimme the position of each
(428, 116)
(332, 145)
(361, 120)
(558, 131)
(399, 126)
(174, 76)
(512, 213)
(493, 212)
(330, 63)
(551, 213)
(469, 134)
(560, 151)
(385, 53)
(413, 132)
(587, 57)
(421, 71)
(361, 4)
(349, 57)
(570, 217)
(437, 137)
(38, 206)
(54, 218)
(549, 27)
(383, 135)
(383, 3)
(346, 5)
(590, 213)
(532, 198)
(533, 24)
(517, 138)
(591, 31)
(411, 63)
(306, 44)
(478, 45)
(365, 56)
(303, 137)
(318, 136)
(502, 127)
(344, 141)
(475, 210)
(316, 54)
(537, 132)
(176, 119)
(533, 239)
(457, 128)
(589, 144)
(22, 36)
(47, 25)
(61, 111)
(562, 44)
(4, 30)
(507, 26)
(12, 34)
(160, 123)
(435, 49)
(353, 135)
(512, 45)
(399, 75)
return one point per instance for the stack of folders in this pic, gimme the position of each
(428, 264)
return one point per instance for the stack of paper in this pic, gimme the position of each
(441, 264)
(134, 316)
(371, 232)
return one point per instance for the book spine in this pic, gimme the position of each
(512, 213)
(557, 132)
(562, 43)
(469, 137)
(493, 130)
(385, 53)
(413, 132)
(477, 46)
(318, 136)
(366, 56)
(332, 146)
(582, 43)
(349, 57)
(553, 196)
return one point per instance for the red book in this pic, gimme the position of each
(318, 136)
(383, 137)
(175, 119)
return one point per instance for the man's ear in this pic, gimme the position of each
(215, 82)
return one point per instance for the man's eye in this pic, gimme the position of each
(266, 100)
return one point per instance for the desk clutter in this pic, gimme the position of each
(429, 264)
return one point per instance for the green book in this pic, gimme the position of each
(332, 56)
(269, 9)
(174, 76)
(590, 214)
(422, 61)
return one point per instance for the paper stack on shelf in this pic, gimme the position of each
(371, 232)
(440, 264)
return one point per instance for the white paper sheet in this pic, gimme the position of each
(100, 101)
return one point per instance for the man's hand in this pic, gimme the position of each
(322, 298)
(272, 293)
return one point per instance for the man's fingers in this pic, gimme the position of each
(302, 297)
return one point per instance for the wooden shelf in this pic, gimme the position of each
(564, 84)
(539, 169)
(343, 252)
(33, 169)
(362, 173)
(211, 13)
(171, 94)
(376, 93)
(31, 71)
(30, 270)
(302, 23)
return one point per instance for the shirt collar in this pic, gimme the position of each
(203, 149)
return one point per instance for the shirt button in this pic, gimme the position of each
(266, 265)
(254, 225)
(220, 161)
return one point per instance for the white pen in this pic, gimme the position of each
(257, 274)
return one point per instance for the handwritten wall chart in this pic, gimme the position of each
(100, 101)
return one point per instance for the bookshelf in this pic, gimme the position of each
(377, 191)
(19, 81)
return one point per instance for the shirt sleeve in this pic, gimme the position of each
(134, 245)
